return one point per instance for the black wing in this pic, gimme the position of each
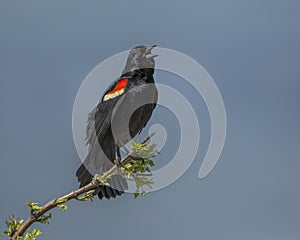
(98, 125)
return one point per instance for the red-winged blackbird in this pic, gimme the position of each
(124, 110)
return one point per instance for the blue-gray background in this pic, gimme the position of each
(251, 49)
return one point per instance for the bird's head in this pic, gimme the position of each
(140, 57)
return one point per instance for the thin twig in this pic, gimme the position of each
(72, 195)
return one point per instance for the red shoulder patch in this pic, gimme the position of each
(120, 85)
(118, 89)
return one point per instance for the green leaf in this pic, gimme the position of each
(8, 223)
(151, 163)
(144, 193)
(136, 194)
(33, 206)
(36, 232)
(13, 225)
(45, 219)
(61, 200)
(62, 207)
(88, 196)
(141, 162)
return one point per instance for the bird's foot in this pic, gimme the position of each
(118, 162)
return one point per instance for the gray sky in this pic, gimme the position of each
(250, 48)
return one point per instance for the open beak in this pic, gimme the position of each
(150, 55)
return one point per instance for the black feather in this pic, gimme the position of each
(107, 128)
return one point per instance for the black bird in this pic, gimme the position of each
(124, 110)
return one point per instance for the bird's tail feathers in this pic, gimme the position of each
(117, 183)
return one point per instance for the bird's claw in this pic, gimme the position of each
(119, 163)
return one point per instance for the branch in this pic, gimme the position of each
(36, 216)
